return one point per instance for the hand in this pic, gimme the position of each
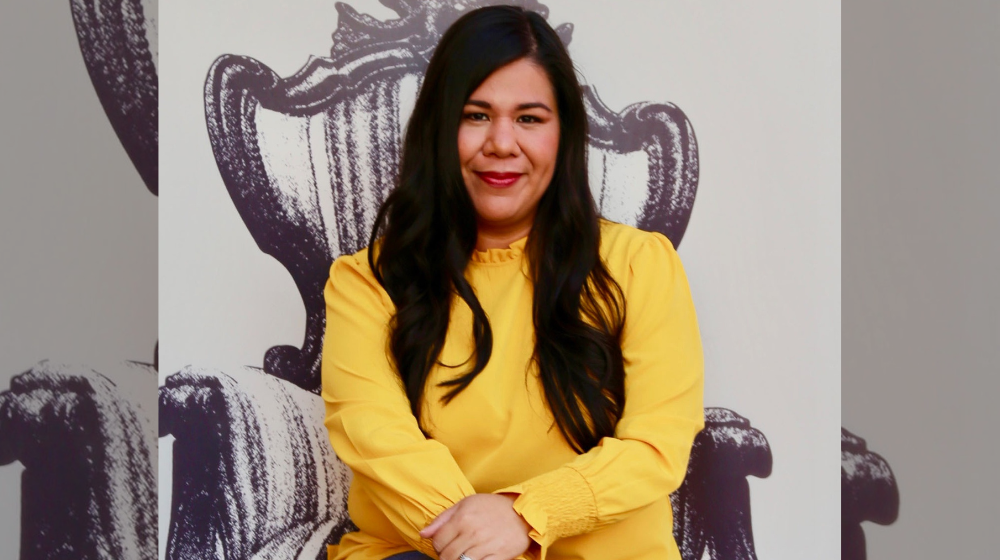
(482, 526)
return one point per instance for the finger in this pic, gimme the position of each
(483, 552)
(462, 543)
(445, 534)
(440, 520)
(495, 549)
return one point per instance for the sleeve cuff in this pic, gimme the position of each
(557, 504)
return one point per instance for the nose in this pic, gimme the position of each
(501, 140)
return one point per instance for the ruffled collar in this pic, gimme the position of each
(501, 255)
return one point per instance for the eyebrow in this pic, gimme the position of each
(521, 107)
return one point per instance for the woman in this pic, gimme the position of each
(507, 375)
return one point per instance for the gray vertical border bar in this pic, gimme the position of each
(78, 293)
(920, 273)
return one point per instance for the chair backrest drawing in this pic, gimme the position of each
(308, 159)
(118, 42)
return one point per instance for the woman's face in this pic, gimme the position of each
(508, 142)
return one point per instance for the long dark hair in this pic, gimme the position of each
(428, 232)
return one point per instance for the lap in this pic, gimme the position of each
(411, 555)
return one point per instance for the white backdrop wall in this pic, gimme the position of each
(760, 83)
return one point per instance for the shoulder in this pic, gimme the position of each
(635, 257)
(351, 277)
(356, 264)
(623, 244)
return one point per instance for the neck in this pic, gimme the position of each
(499, 239)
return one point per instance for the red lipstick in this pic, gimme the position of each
(499, 179)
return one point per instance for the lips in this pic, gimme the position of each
(499, 179)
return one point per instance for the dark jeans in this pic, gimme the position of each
(412, 555)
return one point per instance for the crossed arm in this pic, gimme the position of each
(416, 483)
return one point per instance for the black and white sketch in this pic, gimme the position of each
(87, 441)
(712, 506)
(307, 160)
(254, 473)
(868, 492)
(119, 46)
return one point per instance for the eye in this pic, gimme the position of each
(482, 117)
(529, 119)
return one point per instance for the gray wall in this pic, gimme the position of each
(78, 228)
(921, 315)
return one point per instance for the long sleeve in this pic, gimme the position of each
(410, 478)
(664, 378)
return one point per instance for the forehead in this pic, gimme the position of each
(521, 81)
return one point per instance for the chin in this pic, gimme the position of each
(497, 220)
(495, 212)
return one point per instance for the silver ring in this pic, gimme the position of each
(463, 556)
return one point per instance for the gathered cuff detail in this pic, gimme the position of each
(556, 504)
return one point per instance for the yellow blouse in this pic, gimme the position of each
(498, 435)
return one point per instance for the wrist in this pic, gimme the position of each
(534, 549)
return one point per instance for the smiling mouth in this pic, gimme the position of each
(499, 179)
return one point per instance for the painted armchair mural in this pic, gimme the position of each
(306, 160)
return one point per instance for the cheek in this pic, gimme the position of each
(468, 144)
(545, 151)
